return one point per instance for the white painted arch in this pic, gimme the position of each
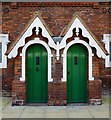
(23, 54)
(65, 58)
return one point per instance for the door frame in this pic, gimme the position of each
(35, 41)
(64, 79)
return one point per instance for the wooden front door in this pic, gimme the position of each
(77, 74)
(36, 74)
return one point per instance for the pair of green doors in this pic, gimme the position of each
(37, 71)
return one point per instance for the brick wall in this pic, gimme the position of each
(18, 92)
(55, 17)
(16, 16)
(57, 93)
(18, 66)
(8, 76)
(106, 80)
(95, 89)
(96, 66)
(57, 72)
(95, 92)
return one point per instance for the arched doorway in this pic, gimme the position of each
(36, 74)
(77, 73)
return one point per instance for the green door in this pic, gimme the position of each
(36, 73)
(77, 74)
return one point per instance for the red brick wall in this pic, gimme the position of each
(96, 66)
(57, 71)
(8, 76)
(95, 89)
(16, 16)
(106, 80)
(56, 93)
(18, 92)
(55, 17)
(18, 66)
(95, 92)
(12, 72)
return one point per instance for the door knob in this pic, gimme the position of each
(37, 69)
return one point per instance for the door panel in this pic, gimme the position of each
(36, 72)
(77, 74)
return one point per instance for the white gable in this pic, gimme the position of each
(76, 23)
(21, 42)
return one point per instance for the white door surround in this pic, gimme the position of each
(65, 58)
(35, 41)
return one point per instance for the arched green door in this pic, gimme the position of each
(36, 74)
(77, 74)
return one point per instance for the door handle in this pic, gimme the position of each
(37, 69)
